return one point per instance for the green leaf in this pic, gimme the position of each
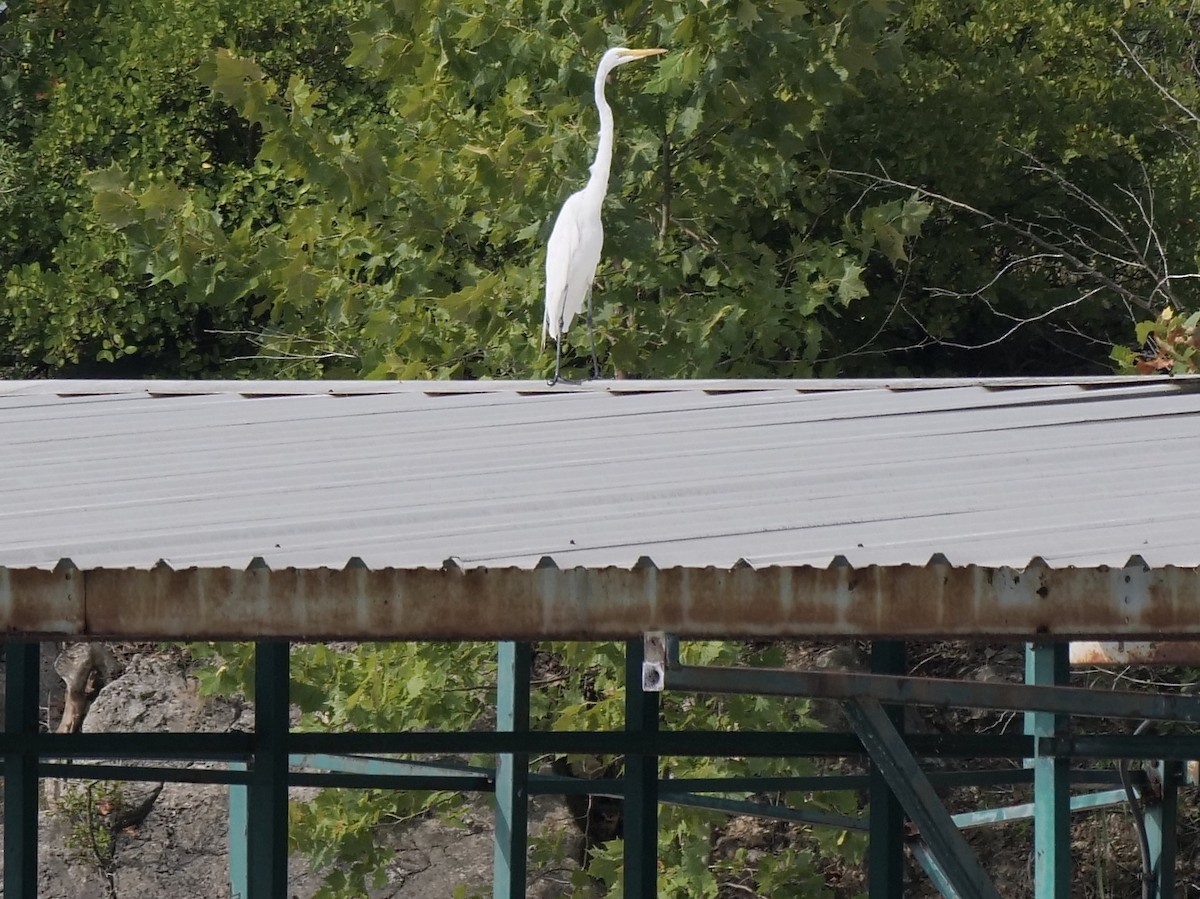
(850, 286)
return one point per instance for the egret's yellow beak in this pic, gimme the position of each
(642, 54)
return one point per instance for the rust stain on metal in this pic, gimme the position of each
(43, 603)
(1132, 652)
(356, 602)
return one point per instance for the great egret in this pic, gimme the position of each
(573, 252)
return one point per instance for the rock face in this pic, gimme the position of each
(172, 840)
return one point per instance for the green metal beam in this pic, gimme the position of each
(1049, 664)
(86, 771)
(938, 875)
(764, 810)
(1080, 802)
(230, 747)
(696, 743)
(359, 764)
(427, 782)
(952, 854)
(1162, 818)
(334, 770)
(239, 840)
(21, 711)
(236, 746)
(1177, 747)
(267, 813)
(641, 783)
(218, 747)
(885, 847)
(513, 661)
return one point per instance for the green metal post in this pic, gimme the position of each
(641, 784)
(1161, 823)
(239, 867)
(885, 858)
(267, 814)
(21, 669)
(513, 662)
(1049, 663)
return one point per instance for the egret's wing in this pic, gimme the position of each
(572, 254)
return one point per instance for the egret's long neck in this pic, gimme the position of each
(598, 182)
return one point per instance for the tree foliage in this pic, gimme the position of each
(361, 189)
(87, 86)
(1062, 174)
(407, 235)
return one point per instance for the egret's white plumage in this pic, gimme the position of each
(573, 252)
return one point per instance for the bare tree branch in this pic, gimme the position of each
(1021, 228)
(1133, 57)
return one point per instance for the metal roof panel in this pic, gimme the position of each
(694, 474)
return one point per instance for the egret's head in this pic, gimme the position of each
(618, 56)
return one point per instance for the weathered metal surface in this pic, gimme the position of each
(1129, 652)
(33, 601)
(909, 601)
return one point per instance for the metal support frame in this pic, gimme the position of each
(21, 709)
(954, 866)
(513, 661)
(1049, 664)
(279, 758)
(267, 813)
(1051, 750)
(885, 848)
(1161, 819)
(641, 783)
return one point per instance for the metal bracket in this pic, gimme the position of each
(654, 661)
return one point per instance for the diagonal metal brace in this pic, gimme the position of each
(934, 691)
(963, 875)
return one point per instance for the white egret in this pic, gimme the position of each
(573, 252)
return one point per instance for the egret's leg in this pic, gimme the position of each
(558, 351)
(592, 337)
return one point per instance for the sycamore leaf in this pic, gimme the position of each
(851, 286)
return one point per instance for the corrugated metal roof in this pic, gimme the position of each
(501, 474)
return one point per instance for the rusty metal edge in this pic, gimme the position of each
(1131, 652)
(905, 601)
